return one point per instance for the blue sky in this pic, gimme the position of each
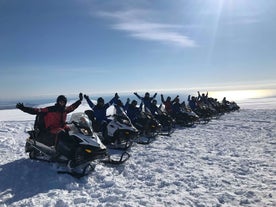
(95, 47)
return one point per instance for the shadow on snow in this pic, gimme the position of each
(24, 178)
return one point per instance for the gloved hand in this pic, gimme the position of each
(116, 96)
(128, 100)
(135, 93)
(20, 106)
(80, 96)
(85, 96)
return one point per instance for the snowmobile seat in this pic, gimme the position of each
(40, 133)
(39, 123)
(95, 125)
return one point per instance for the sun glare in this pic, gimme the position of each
(237, 95)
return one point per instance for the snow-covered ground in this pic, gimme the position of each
(231, 161)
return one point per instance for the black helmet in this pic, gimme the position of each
(100, 100)
(61, 98)
(134, 102)
(120, 103)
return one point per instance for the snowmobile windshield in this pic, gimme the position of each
(124, 120)
(82, 123)
(84, 126)
(121, 116)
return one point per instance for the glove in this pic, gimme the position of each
(85, 96)
(20, 106)
(135, 93)
(80, 96)
(128, 100)
(116, 96)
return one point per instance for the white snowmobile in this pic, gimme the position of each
(77, 150)
(119, 132)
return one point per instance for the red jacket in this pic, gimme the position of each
(55, 116)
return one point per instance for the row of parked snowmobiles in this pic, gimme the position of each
(85, 143)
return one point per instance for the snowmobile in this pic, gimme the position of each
(231, 106)
(148, 126)
(77, 150)
(166, 121)
(186, 118)
(119, 132)
(204, 113)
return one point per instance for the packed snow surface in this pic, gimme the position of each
(230, 161)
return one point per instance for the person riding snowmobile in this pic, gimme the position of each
(168, 103)
(146, 99)
(50, 121)
(192, 102)
(133, 111)
(99, 111)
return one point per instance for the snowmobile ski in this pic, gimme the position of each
(120, 146)
(145, 140)
(123, 158)
(86, 170)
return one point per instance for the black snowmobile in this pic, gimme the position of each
(77, 150)
(186, 117)
(166, 121)
(148, 126)
(230, 106)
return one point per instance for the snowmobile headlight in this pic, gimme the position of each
(124, 121)
(88, 151)
(85, 132)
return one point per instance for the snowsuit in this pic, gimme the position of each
(192, 103)
(133, 112)
(176, 108)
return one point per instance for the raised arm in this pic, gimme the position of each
(162, 98)
(90, 103)
(112, 101)
(173, 101)
(74, 105)
(136, 94)
(198, 95)
(29, 110)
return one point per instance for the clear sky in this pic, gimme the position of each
(66, 47)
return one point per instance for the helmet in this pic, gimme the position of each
(134, 103)
(61, 98)
(120, 103)
(100, 100)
